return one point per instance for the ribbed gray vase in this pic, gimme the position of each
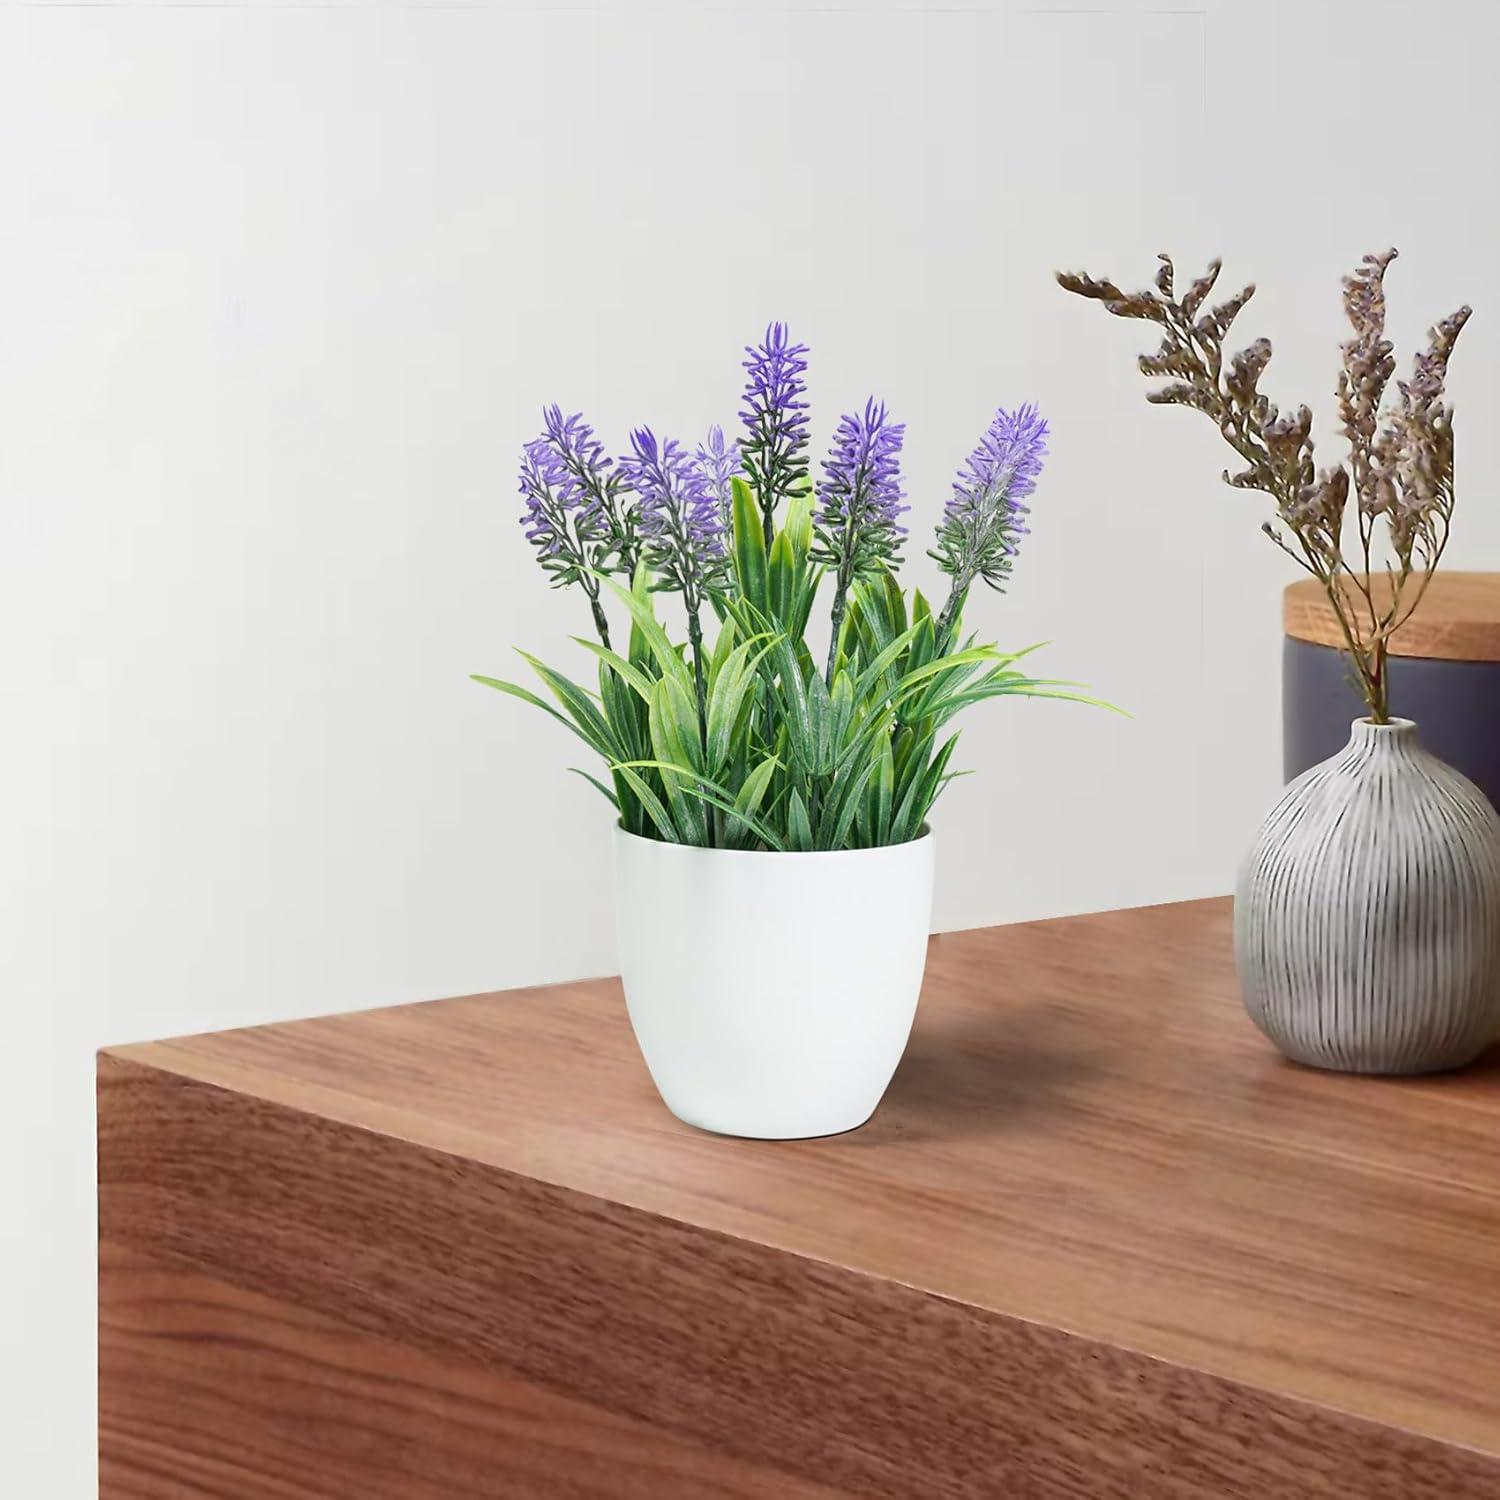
(1367, 915)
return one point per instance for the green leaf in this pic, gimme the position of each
(781, 583)
(881, 789)
(624, 710)
(923, 643)
(749, 546)
(627, 670)
(797, 528)
(895, 602)
(807, 591)
(733, 685)
(917, 802)
(842, 703)
(876, 669)
(820, 717)
(798, 829)
(709, 791)
(668, 657)
(577, 702)
(673, 723)
(649, 800)
(910, 679)
(795, 713)
(723, 646)
(752, 792)
(598, 785)
(516, 691)
(843, 807)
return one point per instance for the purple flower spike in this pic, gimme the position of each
(679, 515)
(551, 521)
(579, 454)
(860, 496)
(584, 484)
(985, 518)
(719, 462)
(775, 418)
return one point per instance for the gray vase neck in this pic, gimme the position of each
(1398, 738)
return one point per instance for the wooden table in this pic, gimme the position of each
(1100, 1241)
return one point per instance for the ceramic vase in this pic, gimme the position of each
(1367, 913)
(772, 994)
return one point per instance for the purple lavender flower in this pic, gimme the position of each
(549, 519)
(860, 495)
(984, 519)
(775, 417)
(579, 453)
(855, 527)
(679, 515)
(584, 483)
(719, 462)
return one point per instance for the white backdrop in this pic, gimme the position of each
(281, 291)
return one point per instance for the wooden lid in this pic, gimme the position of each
(1457, 620)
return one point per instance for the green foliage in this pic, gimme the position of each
(782, 759)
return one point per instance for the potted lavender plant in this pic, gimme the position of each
(1367, 912)
(773, 861)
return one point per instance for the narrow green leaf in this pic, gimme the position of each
(883, 662)
(881, 791)
(724, 645)
(797, 527)
(917, 802)
(727, 699)
(820, 717)
(709, 791)
(749, 545)
(673, 723)
(627, 670)
(793, 693)
(650, 801)
(577, 702)
(668, 657)
(598, 785)
(526, 696)
(752, 792)
(846, 806)
(798, 829)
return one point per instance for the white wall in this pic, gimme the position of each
(281, 289)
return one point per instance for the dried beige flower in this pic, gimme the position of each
(1400, 464)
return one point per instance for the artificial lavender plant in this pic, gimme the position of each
(1400, 465)
(745, 742)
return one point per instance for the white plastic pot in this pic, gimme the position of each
(772, 994)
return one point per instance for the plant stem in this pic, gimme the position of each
(956, 596)
(601, 622)
(695, 636)
(840, 601)
(1379, 691)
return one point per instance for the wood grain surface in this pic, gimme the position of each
(1457, 620)
(1100, 1241)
